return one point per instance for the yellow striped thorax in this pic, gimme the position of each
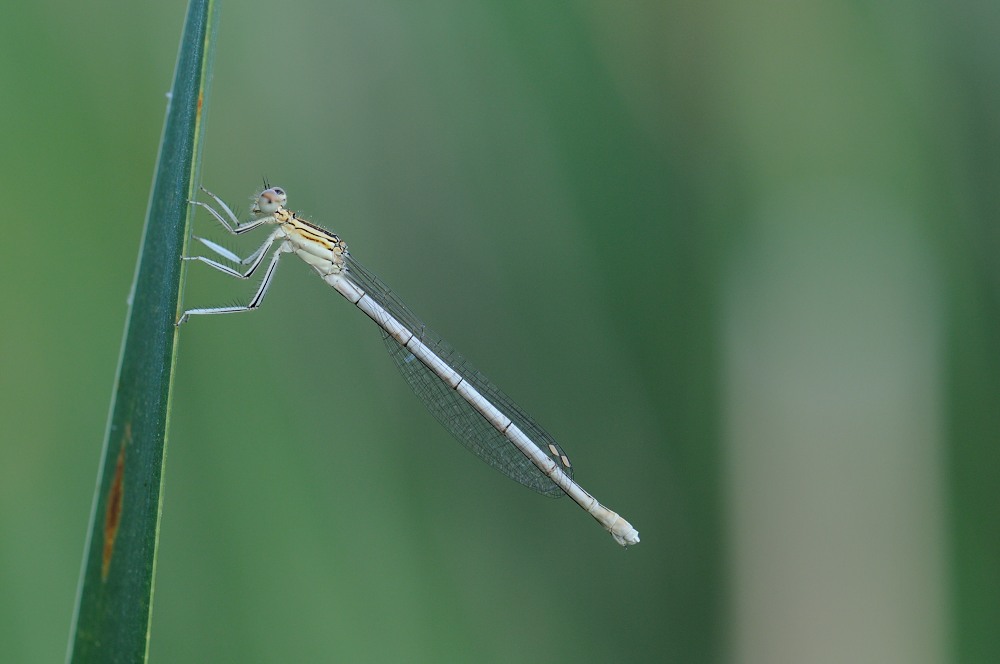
(318, 247)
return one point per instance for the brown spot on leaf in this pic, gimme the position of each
(113, 509)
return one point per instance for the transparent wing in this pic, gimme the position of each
(451, 410)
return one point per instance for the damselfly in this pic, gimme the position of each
(474, 410)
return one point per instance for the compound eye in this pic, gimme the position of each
(270, 200)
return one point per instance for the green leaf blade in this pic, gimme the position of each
(111, 621)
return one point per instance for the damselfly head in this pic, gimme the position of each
(269, 201)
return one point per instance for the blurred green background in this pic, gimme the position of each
(741, 259)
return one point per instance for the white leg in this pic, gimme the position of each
(236, 228)
(225, 253)
(256, 257)
(254, 301)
